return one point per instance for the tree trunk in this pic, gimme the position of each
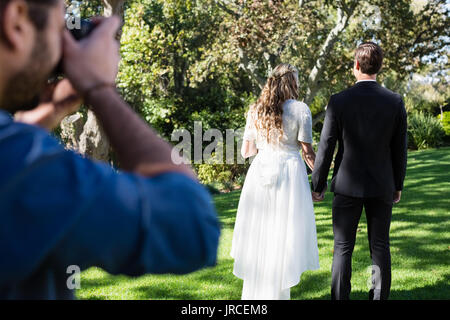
(344, 13)
(112, 7)
(343, 17)
(250, 67)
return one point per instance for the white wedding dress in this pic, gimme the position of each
(274, 239)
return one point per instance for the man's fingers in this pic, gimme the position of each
(70, 44)
(97, 20)
(397, 196)
(64, 88)
(317, 197)
(108, 26)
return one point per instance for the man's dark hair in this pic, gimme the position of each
(370, 57)
(38, 12)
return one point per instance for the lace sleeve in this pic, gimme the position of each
(250, 129)
(305, 125)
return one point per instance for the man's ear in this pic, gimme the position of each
(357, 66)
(17, 27)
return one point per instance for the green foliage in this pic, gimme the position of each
(186, 60)
(204, 60)
(222, 176)
(445, 121)
(426, 97)
(424, 131)
(216, 175)
(168, 73)
(87, 8)
(319, 103)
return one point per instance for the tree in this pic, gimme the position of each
(207, 60)
(320, 37)
(170, 75)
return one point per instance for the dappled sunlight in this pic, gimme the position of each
(420, 249)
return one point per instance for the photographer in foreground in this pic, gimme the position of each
(59, 209)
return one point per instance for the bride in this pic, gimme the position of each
(274, 239)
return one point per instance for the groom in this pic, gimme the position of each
(369, 124)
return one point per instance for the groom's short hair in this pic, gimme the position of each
(370, 57)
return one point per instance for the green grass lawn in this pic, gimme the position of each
(420, 249)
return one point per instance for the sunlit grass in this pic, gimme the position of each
(420, 249)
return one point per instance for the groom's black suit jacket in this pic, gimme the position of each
(369, 124)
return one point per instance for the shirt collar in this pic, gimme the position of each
(366, 80)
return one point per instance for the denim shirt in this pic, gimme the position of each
(61, 212)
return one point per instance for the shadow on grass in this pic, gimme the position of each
(157, 291)
(226, 205)
(419, 231)
(427, 190)
(437, 291)
(419, 241)
(425, 207)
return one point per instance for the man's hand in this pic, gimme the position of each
(319, 196)
(397, 196)
(95, 60)
(57, 101)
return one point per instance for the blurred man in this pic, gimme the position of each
(61, 212)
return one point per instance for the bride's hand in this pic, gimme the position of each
(317, 197)
(308, 154)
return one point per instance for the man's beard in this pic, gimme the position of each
(23, 90)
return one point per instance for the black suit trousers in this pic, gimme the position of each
(346, 214)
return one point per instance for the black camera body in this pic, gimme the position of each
(86, 27)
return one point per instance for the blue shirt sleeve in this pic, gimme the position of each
(63, 208)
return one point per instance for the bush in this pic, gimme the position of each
(424, 131)
(225, 177)
(220, 175)
(445, 121)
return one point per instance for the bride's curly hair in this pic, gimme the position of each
(267, 112)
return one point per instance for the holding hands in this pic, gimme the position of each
(319, 196)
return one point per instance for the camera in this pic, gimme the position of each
(85, 28)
